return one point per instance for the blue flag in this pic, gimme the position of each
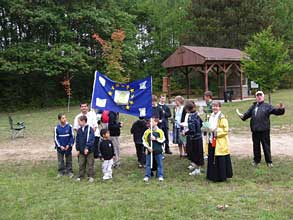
(133, 98)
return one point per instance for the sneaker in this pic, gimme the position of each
(140, 166)
(270, 165)
(106, 177)
(146, 179)
(78, 179)
(255, 164)
(161, 179)
(196, 172)
(191, 167)
(205, 157)
(60, 175)
(70, 175)
(91, 180)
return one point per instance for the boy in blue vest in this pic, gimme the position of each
(85, 140)
(64, 139)
(156, 136)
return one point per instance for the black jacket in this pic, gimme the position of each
(166, 114)
(106, 149)
(85, 139)
(260, 120)
(138, 128)
(114, 125)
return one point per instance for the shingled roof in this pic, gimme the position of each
(194, 56)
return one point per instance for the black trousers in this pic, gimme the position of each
(140, 153)
(262, 138)
(166, 134)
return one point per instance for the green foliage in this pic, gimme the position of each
(267, 60)
(34, 34)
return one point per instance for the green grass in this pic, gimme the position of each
(40, 123)
(32, 191)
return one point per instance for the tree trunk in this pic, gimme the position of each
(270, 98)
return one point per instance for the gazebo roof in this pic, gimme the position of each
(195, 56)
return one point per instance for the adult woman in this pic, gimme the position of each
(219, 161)
(194, 144)
(179, 116)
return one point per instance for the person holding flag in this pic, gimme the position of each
(153, 140)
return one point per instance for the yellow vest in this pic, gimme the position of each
(222, 140)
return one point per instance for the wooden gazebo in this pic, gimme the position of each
(208, 60)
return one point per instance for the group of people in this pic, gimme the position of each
(198, 136)
(91, 143)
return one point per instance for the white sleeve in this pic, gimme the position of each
(75, 125)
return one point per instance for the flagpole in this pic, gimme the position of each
(151, 128)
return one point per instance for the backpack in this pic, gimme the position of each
(105, 116)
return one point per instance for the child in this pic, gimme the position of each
(157, 137)
(138, 128)
(107, 151)
(64, 139)
(85, 140)
(194, 139)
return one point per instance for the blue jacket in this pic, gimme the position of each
(85, 139)
(63, 136)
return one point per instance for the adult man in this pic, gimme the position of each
(260, 113)
(165, 123)
(91, 121)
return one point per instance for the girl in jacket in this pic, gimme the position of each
(194, 146)
(219, 161)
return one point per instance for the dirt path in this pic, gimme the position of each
(43, 149)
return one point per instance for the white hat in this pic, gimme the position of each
(259, 92)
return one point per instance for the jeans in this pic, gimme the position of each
(64, 168)
(86, 163)
(159, 160)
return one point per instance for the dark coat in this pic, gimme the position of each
(85, 139)
(114, 125)
(165, 116)
(260, 120)
(138, 128)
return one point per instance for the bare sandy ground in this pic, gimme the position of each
(23, 149)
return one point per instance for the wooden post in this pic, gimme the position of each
(241, 92)
(225, 78)
(206, 79)
(169, 87)
(188, 84)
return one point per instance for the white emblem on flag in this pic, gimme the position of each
(142, 85)
(142, 112)
(101, 102)
(102, 81)
(121, 97)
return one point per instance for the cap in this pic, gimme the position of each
(259, 92)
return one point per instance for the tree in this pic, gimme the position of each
(267, 60)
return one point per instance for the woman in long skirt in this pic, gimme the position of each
(219, 161)
(194, 145)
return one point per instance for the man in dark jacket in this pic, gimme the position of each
(114, 127)
(165, 121)
(260, 113)
(137, 130)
